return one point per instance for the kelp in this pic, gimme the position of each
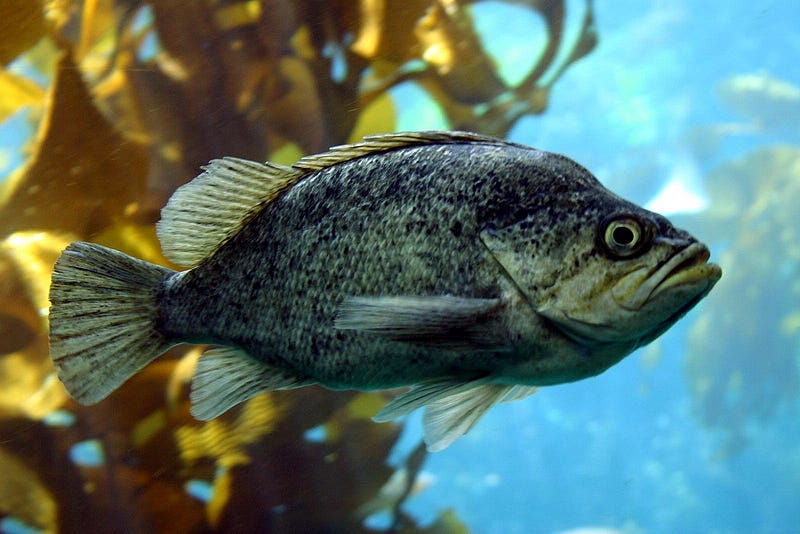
(128, 98)
(739, 383)
(65, 174)
(21, 26)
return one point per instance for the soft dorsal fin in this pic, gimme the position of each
(382, 142)
(202, 214)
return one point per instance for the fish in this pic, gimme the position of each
(470, 269)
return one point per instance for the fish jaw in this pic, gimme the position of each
(641, 305)
(686, 271)
(664, 293)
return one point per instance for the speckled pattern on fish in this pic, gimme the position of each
(471, 268)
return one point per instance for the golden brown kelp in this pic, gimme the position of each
(141, 94)
(21, 26)
(742, 380)
(68, 185)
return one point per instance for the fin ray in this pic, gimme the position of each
(205, 212)
(451, 417)
(519, 393)
(452, 406)
(423, 394)
(443, 321)
(373, 144)
(226, 376)
(102, 319)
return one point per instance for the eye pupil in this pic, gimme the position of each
(623, 235)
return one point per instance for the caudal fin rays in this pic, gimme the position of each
(102, 319)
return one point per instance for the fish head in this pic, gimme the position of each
(607, 275)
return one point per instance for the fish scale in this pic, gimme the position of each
(397, 263)
(469, 268)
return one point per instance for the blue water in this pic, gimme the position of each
(623, 450)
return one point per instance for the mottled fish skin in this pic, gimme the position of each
(468, 267)
(401, 222)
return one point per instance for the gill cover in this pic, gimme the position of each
(515, 255)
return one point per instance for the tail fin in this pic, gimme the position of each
(103, 319)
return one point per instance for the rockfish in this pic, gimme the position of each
(469, 268)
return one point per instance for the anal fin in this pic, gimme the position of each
(225, 377)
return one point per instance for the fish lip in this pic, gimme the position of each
(687, 266)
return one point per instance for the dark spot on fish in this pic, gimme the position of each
(456, 228)
(393, 188)
(331, 190)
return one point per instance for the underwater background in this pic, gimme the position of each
(689, 108)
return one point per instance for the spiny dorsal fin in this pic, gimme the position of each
(380, 143)
(204, 213)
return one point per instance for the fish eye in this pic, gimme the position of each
(625, 236)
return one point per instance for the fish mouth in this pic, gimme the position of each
(687, 270)
(688, 267)
(650, 299)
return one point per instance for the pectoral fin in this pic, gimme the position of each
(225, 377)
(451, 407)
(443, 321)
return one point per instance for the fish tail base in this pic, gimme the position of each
(103, 313)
